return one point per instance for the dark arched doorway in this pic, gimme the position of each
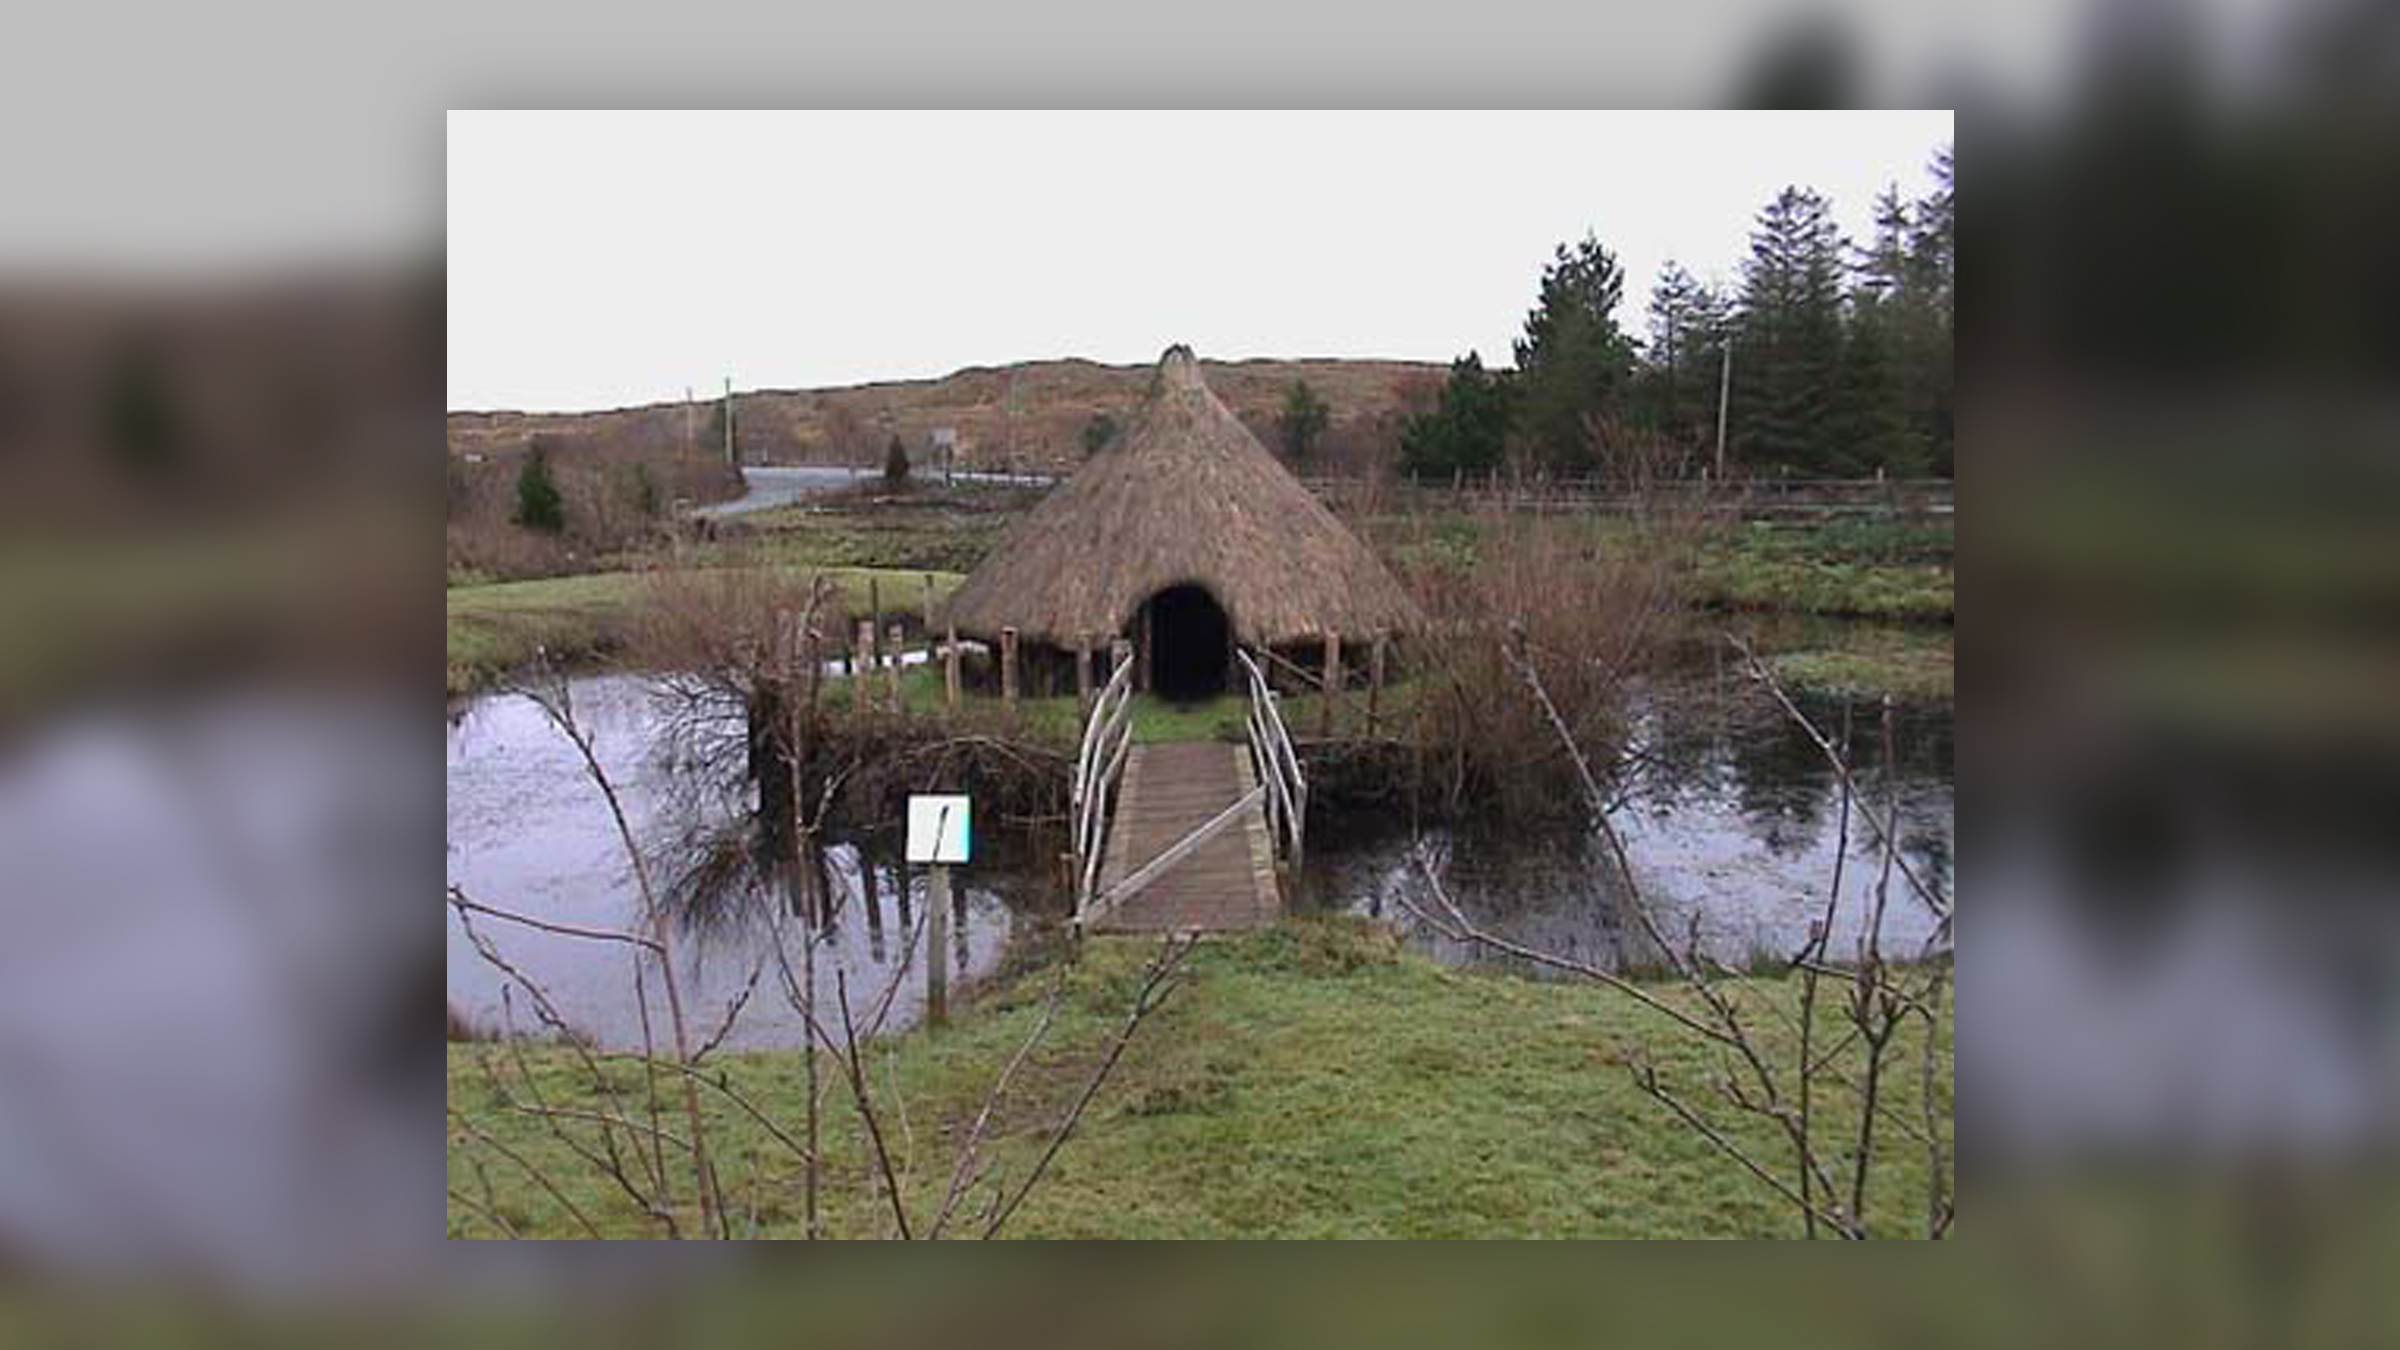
(1189, 639)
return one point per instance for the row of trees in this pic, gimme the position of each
(1843, 354)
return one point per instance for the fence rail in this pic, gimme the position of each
(1100, 763)
(1756, 498)
(1278, 765)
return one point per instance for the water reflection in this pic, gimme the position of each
(1731, 816)
(529, 832)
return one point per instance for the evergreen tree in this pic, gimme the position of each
(1302, 421)
(539, 507)
(1872, 402)
(1097, 433)
(1790, 338)
(1574, 363)
(642, 491)
(895, 463)
(1931, 325)
(1466, 429)
(1678, 381)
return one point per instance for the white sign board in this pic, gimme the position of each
(938, 830)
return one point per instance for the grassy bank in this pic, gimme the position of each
(1872, 569)
(497, 626)
(1312, 1081)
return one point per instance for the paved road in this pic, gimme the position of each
(781, 485)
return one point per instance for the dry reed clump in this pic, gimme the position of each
(734, 625)
(1594, 598)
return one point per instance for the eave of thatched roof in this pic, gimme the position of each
(1187, 496)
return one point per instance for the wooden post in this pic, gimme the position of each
(950, 665)
(865, 648)
(1008, 666)
(892, 680)
(1141, 653)
(1374, 684)
(937, 947)
(1083, 681)
(1331, 678)
(927, 578)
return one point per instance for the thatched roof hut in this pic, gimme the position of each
(1185, 515)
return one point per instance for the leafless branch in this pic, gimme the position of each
(1157, 983)
(540, 1177)
(963, 1170)
(866, 1107)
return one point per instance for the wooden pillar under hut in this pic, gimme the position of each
(864, 651)
(1083, 681)
(950, 666)
(1008, 666)
(896, 643)
(1330, 678)
(1375, 684)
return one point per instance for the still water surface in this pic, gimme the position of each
(1730, 815)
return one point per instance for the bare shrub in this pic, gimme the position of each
(1597, 596)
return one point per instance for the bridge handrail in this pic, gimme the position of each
(1099, 763)
(1278, 764)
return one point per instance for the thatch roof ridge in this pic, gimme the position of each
(1187, 495)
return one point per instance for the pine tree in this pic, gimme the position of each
(1573, 364)
(1931, 332)
(895, 463)
(1872, 403)
(1790, 337)
(1687, 343)
(1466, 429)
(539, 507)
(1302, 421)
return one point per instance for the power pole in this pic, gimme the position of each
(730, 457)
(1724, 385)
(691, 431)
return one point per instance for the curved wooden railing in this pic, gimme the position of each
(1107, 737)
(1278, 765)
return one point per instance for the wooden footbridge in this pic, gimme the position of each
(1189, 836)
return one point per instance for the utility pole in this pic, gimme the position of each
(730, 457)
(1724, 386)
(691, 428)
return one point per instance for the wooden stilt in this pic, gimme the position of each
(1141, 652)
(1331, 678)
(892, 678)
(1083, 682)
(950, 665)
(1008, 666)
(1374, 685)
(864, 647)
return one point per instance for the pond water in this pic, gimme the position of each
(1731, 817)
(529, 832)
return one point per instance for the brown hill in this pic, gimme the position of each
(1031, 414)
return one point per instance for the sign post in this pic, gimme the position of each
(939, 834)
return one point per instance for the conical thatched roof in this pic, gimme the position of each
(1188, 495)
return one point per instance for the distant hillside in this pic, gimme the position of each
(1031, 414)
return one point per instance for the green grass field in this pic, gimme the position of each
(1311, 1081)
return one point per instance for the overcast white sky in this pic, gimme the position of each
(604, 259)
